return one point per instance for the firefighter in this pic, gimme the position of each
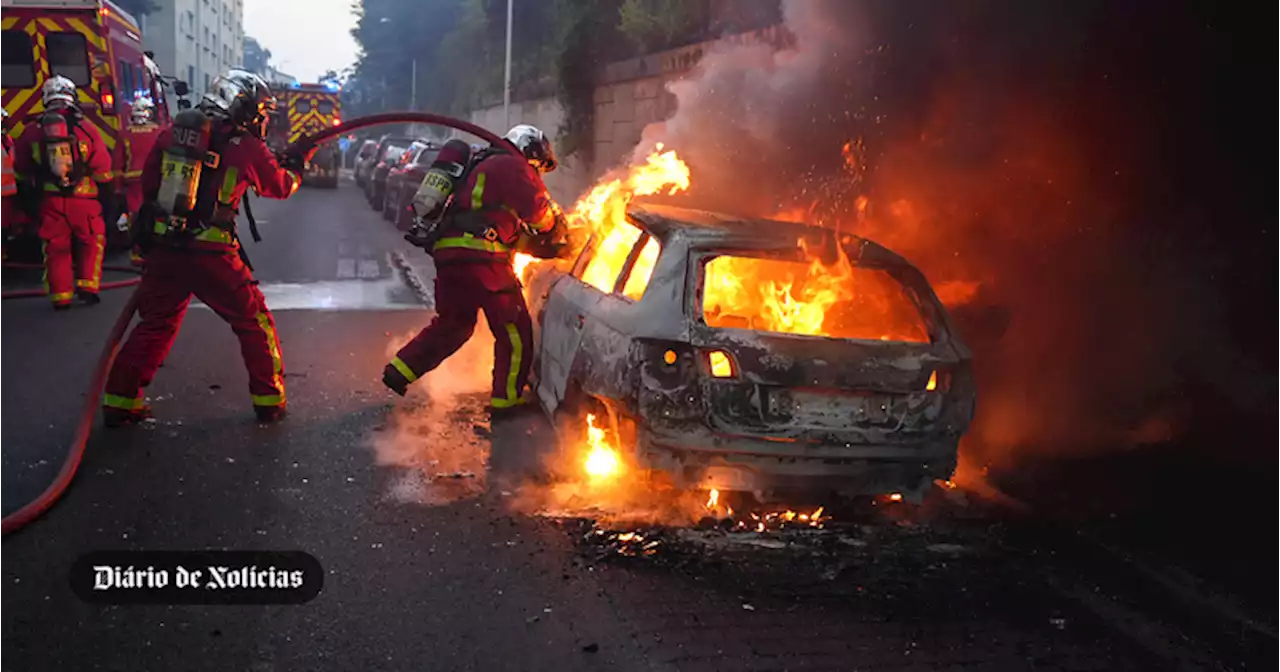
(65, 170)
(142, 121)
(194, 179)
(500, 206)
(8, 187)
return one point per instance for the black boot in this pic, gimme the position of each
(119, 417)
(89, 298)
(270, 413)
(394, 380)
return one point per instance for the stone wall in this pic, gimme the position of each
(629, 95)
(572, 178)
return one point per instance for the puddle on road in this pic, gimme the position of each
(384, 294)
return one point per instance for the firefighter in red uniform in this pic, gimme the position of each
(194, 179)
(8, 188)
(66, 168)
(142, 122)
(500, 207)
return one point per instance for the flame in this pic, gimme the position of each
(601, 462)
(520, 262)
(712, 498)
(806, 297)
(600, 216)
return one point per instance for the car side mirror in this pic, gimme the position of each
(180, 88)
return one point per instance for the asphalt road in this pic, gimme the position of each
(442, 576)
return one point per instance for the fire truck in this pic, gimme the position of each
(98, 46)
(303, 110)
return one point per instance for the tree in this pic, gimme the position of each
(657, 25)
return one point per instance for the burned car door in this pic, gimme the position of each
(563, 319)
(582, 339)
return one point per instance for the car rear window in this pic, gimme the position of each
(18, 70)
(807, 298)
(302, 105)
(325, 107)
(68, 56)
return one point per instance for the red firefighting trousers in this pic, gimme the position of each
(64, 220)
(461, 290)
(222, 282)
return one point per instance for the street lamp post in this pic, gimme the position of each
(506, 89)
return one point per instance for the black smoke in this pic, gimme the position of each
(1089, 164)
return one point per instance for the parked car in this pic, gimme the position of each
(367, 148)
(377, 182)
(672, 329)
(403, 182)
(365, 167)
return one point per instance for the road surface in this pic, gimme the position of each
(442, 575)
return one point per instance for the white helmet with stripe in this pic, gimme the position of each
(535, 145)
(58, 91)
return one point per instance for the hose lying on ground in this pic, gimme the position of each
(32, 293)
(89, 411)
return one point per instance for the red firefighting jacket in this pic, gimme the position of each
(28, 161)
(501, 199)
(244, 162)
(8, 184)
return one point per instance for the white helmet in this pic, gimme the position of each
(535, 146)
(58, 91)
(140, 112)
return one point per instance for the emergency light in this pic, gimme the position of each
(108, 100)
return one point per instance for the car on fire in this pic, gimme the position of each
(755, 356)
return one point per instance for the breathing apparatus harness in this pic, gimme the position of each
(63, 165)
(441, 185)
(188, 202)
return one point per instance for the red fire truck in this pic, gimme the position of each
(98, 46)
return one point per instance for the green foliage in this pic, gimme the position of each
(656, 25)
(558, 46)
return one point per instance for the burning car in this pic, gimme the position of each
(751, 355)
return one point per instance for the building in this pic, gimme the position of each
(273, 76)
(195, 40)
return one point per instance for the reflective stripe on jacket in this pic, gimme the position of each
(8, 184)
(502, 197)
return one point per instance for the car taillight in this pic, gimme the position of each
(108, 100)
(721, 365)
(337, 121)
(939, 381)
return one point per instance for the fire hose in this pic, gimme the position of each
(32, 293)
(88, 412)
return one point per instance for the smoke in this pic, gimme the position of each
(1012, 147)
(432, 437)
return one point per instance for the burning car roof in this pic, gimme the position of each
(704, 229)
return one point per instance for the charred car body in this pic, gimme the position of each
(655, 323)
